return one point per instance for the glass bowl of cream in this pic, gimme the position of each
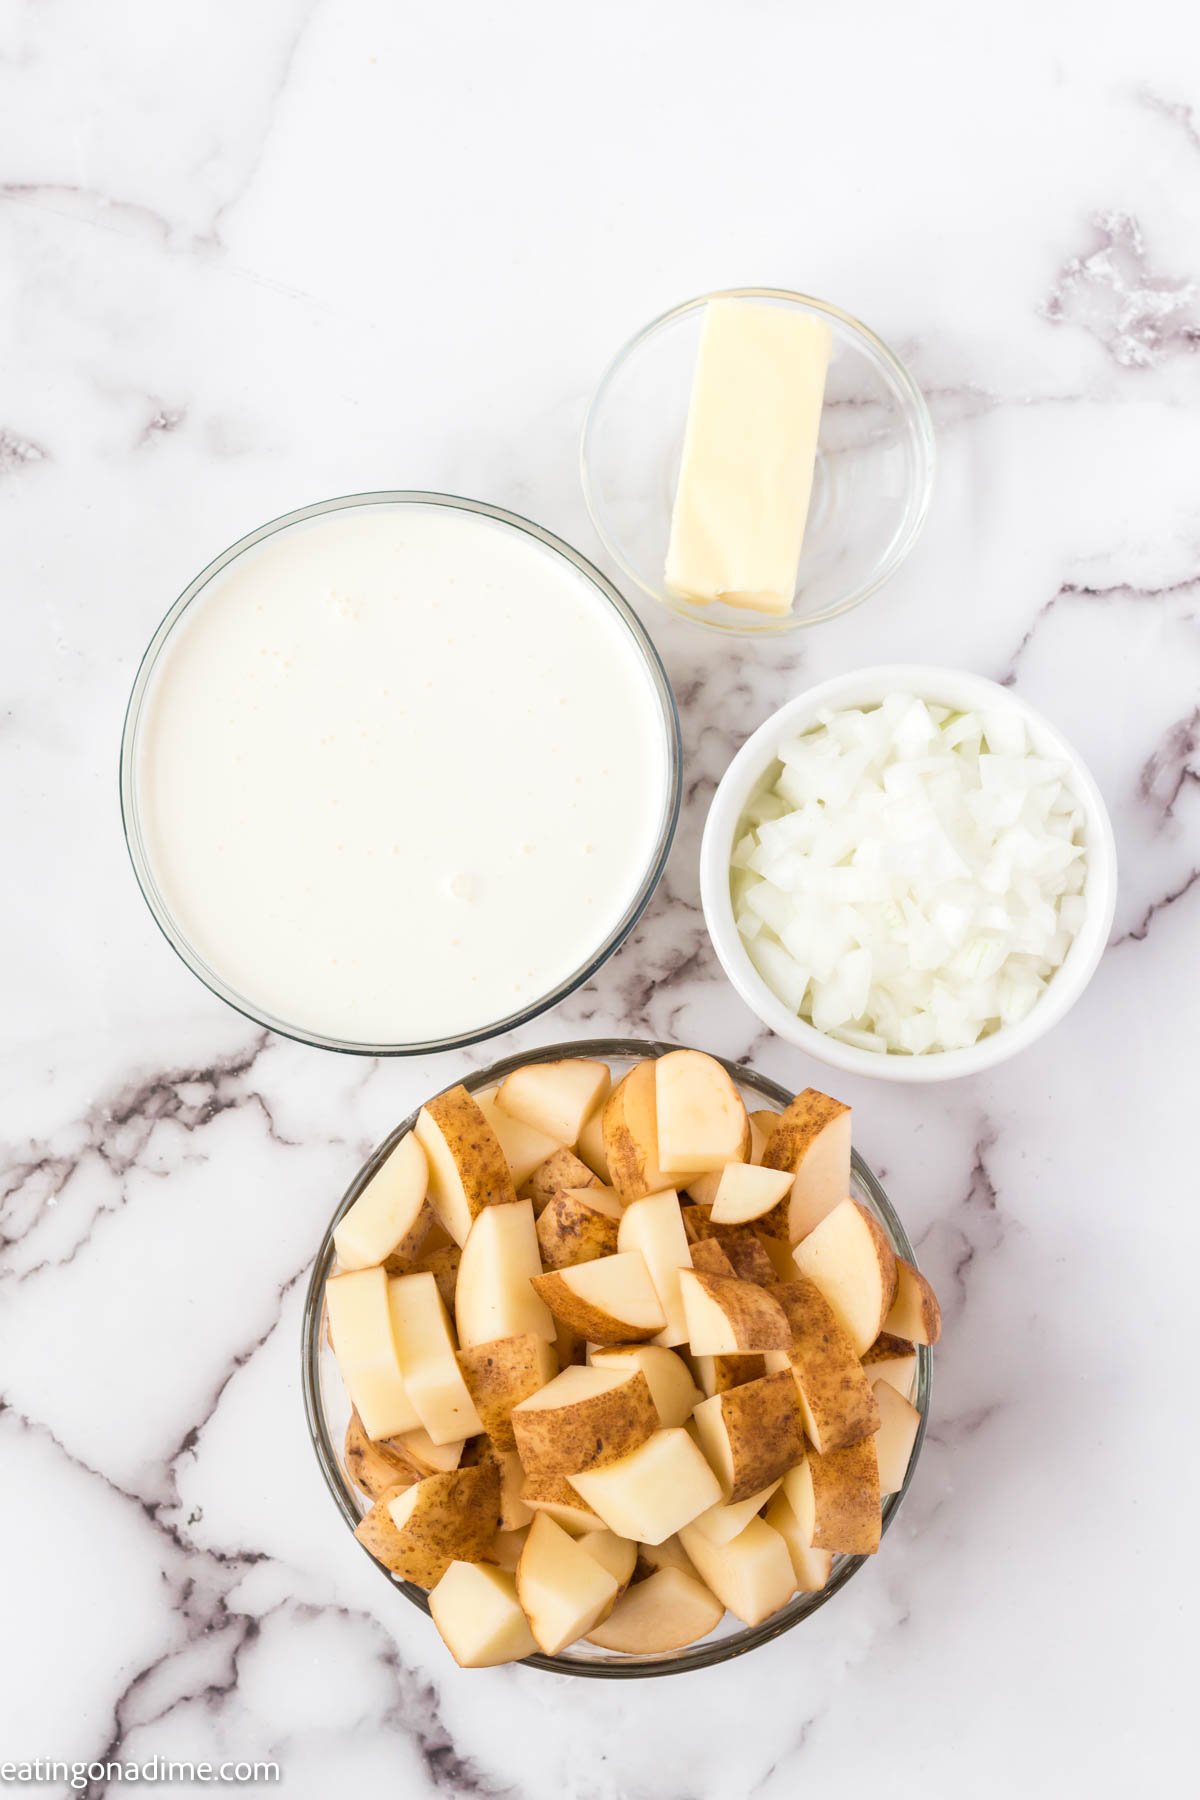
(871, 481)
(399, 771)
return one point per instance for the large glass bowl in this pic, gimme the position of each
(135, 719)
(871, 487)
(327, 1408)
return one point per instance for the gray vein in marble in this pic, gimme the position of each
(1170, 767)
(1081, 591)
(1138, 315)
(162, 421)
(1139, 932)
(117, 1133)
(17, 452)
(974, 1225)
(1176, 111)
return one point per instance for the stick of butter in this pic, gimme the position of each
(748, 455)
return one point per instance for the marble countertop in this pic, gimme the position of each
(254, 256)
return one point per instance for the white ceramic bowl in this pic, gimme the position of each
(749, 769)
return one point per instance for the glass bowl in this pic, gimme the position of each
(871, 489)
(131, 813)
(327, 1408)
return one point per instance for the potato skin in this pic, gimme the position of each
(750, 1261)
(570, 1231)
(588, 1434)
(586, 1321)
(756, 1318)
(402, 1256)
(795, 1128)
(442, 1264)
(482, 1168)
(709, 1256)
(885, 1348)
(373, 1468)
(834, 1388)
(765, 1429)
(376, 1533)
(561, 1171)
(455, 1519)
(846, 1487)
(915, 1305)
(631, 1136)
(735, 1371)
(501, 1373)
(555, 1495)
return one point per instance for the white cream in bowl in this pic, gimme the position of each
(401, 771)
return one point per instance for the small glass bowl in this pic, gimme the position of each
(131, 819)
(871, 489)
(327, 1408)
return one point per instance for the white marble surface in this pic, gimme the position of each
(254, 255)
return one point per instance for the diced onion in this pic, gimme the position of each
(910, 877)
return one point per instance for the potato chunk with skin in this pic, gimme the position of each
(437, 1521)
(710, 1258)
(442, 1264)
(556, 1097)
(914, 1313)
(891, 1359)
(836, 1499)
(391, 1216)
(630, 1131)
(467, 1167)
(417, 1450)
(374, 1468)
(667, 1611)
(850, 1260)
(750, 1260)
(554, 1495)
(716, 1374)
(674, 1393)
(811, 1139)
(585, 1418)
(479, 1617)
(563, 1591)
(700, 1119)
(502, 1373)
(559, 1174)
(752, 1435)
(608, 1301)
(578, 1226)
(746, 1193)
(726, 1318)
(376, 1533)
(651, 1493)
(835, 1396)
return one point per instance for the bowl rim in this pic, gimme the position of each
(131, 822)
(345, 1497)
(920, 431)
(870, 686)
